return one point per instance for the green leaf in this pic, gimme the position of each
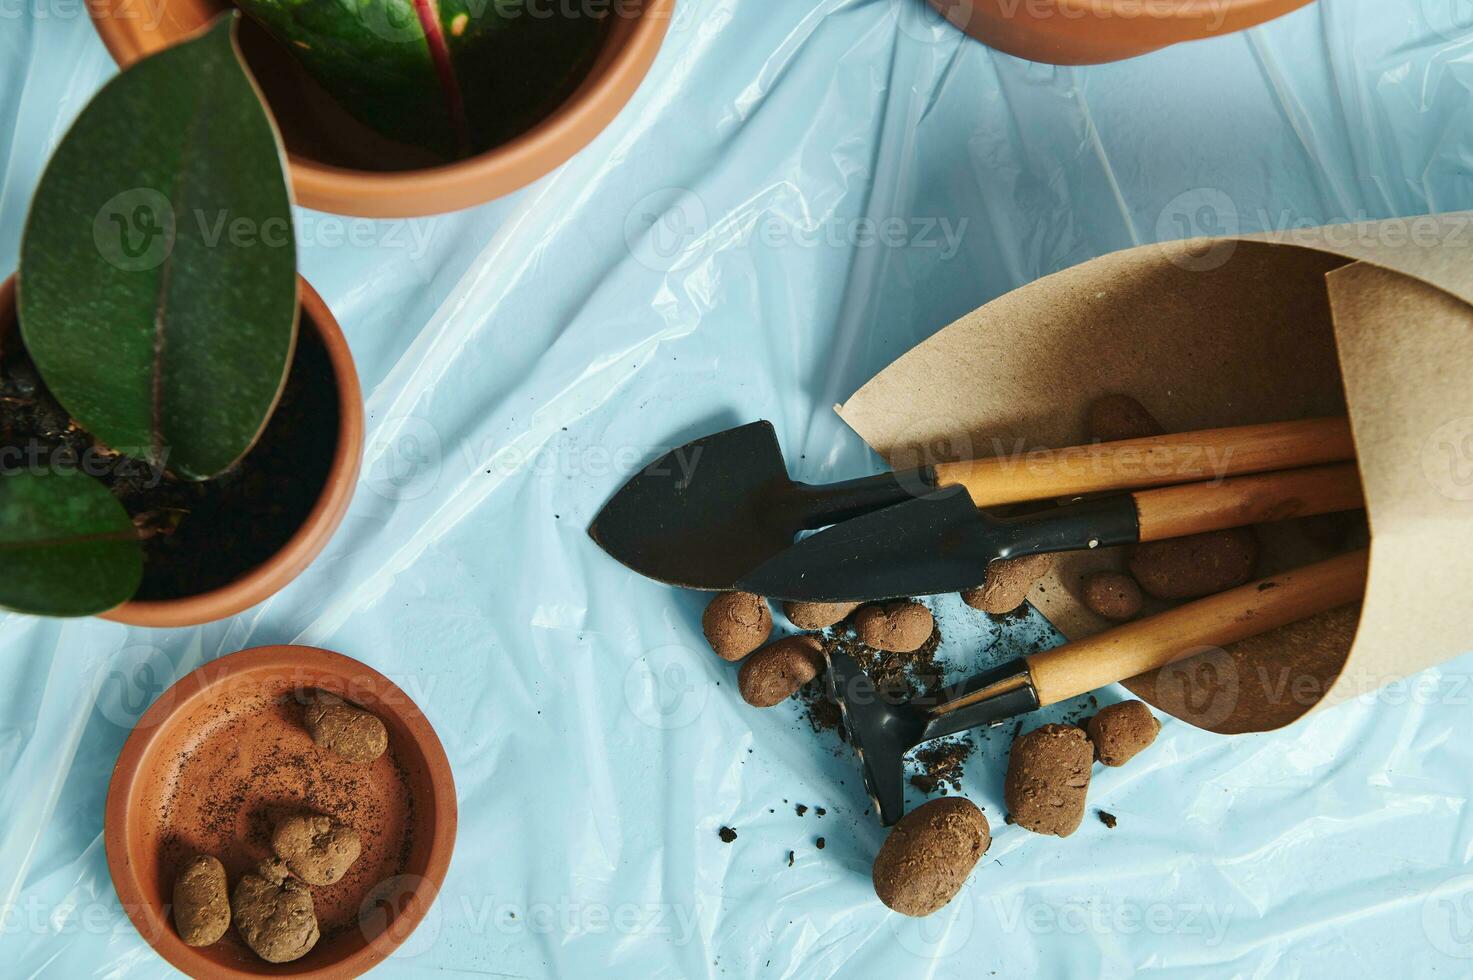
(67, 547)
(451, 76)
(158, 289)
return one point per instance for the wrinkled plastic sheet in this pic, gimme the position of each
(798, 194)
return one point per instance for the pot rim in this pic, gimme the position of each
(1088, 32)
(1190, 10)
(574, 124)
(278, 571)
(152, 923)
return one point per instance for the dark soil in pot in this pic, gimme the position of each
(201, 536)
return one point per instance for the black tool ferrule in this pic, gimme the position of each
(835, 503)
(1013, 694)
(1080, 526)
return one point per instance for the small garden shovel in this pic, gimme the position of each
(710, 514)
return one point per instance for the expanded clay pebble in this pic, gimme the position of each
(736, 623)
(776, 672)
(201, 901)
(929, 854)
(1116, 417)
(1120, 731)
(274, 913)
(346, 729)
(1048, 778)
(817, 615)
(1180, 568)
(1113, 595)
(1009, 580)
(317, 848)
(1196, 566)
(894, 627)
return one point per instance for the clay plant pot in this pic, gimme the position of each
(339, 165)
(223, 753)
(1089, 32)
(270, 577)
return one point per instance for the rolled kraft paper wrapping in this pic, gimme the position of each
(1373, 319)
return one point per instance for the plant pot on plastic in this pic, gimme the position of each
(214, 548)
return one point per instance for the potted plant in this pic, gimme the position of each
(180, 421)
(396, 108)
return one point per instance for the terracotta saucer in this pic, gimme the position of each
(223, 753)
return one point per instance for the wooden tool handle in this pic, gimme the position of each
(1159, 461)
(1173, 512)
(1125, 651)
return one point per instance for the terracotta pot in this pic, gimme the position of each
(339, 165)
(222, 752)
(1088, 32)
(276, 573)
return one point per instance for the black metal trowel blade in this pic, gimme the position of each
(932, 544)
(702, 515)
(921, 547)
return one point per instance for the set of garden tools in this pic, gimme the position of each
(721, 513)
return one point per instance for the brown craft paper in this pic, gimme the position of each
(1376, 318)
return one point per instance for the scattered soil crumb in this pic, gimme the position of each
(902, 676)
(1108, 819)
(819, 843)
(727, 835)
(790, 859)
(941, 765)
(823, 715)
(801, 809)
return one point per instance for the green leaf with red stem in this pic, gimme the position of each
(455, 77)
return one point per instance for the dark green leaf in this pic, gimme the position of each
(67, 547)
(158, 290)
(485, 71)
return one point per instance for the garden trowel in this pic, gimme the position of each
(708, 514)
(942, 543)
